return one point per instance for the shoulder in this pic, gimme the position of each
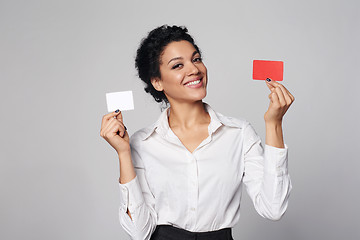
(247, 131)
(238, 122)
(137, 137)
(142, 134)
(230, 121)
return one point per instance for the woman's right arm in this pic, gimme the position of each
(137, 208)
(127, 172)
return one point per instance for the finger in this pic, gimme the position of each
(280, 96)
(271, 87)
(270, 96)
(109, 124)
(274, 99)
(268, 84)
(114, 126)
(116, 121)
(286, 95)
(108, 116)
(120, 119)
(272, 82)
(291, 96)
(285, 91)
(119, 116)
(118, 129)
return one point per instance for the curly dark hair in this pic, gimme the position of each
(148, 55)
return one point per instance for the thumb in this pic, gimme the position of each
(119, 116)
(269, 84)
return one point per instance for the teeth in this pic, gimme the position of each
(193, 83)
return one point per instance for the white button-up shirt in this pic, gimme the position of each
(201, 191)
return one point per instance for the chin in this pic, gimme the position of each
(194, 97)
(200, 97)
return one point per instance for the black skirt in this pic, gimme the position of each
(168, 232)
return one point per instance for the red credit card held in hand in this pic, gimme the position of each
(263, 69)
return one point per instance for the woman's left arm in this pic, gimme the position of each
(266, 174)
(280, 101)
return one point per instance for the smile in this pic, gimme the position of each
(195, 83)
(192, 83)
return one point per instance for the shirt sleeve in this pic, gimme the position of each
(266, 176)
(137, 197)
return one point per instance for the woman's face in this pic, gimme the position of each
(183, 74)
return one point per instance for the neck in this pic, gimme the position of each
(187, 115)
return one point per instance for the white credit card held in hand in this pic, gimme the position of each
(120, 100)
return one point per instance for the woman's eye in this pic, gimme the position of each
(176, 66)
(198, 59)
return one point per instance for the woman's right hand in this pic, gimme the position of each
(113, 131)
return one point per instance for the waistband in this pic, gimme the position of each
(169, 232)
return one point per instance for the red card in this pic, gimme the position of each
(263, 69)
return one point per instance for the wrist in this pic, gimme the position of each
(273, 124)
(124, 154)
(274, 134)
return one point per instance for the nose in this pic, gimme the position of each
(193, 69)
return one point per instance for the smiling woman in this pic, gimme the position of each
(182, 177)
(183, 74)
(150, 56)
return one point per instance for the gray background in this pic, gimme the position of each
(58, 177)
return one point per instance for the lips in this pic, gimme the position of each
(195, 84)
(193, 80)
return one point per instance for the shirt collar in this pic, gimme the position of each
(161, 126)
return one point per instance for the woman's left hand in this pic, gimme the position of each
(280, 101)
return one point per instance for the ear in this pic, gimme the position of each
(157, 83)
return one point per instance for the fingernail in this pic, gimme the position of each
(268, 79)
(117, 110)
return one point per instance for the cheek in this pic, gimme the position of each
(173, 79)
(205, 69)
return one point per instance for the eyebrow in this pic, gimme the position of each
(177, 58)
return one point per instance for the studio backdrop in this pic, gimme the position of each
(58, 59)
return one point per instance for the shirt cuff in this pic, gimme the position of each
(131, 195)
(276, 160)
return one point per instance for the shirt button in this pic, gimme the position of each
(192, 209)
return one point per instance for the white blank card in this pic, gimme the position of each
(120, 100)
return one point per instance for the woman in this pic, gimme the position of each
(181, 178)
